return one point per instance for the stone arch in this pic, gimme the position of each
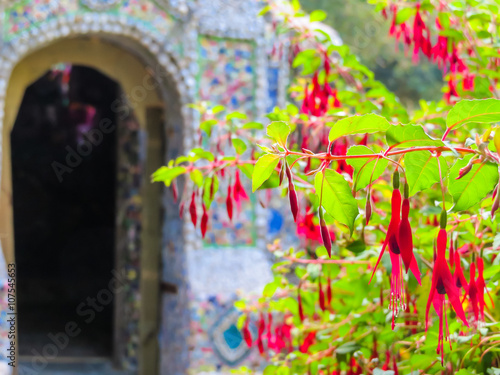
(66, 40)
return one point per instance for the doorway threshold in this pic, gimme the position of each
(71, 366)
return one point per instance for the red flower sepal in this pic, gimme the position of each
(443, 284)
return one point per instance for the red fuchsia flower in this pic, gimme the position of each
(306, 228)
(481, 287)
(239, 192)
(247, 336)
(261, 329)
(458, 275)
(451, 252)
(451, 91)
(421, 40)
(340, 148)
(473, 293)
(468, 81)
(308, 341)
(405, 238)
(354, 367)
(397, 296)
(443, 284)
(269, 326)
(318, 100)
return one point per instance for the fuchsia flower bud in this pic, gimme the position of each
(229, 204)
(299, 301)
(174, 191)
(247, 336)
(321, 295)
(292, 194)
(204, 221)
(325, 233)
(192, 210)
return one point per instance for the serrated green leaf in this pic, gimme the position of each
(474, 186)
(422, 170)
(167, 174)
(239, 146)
(263, 169)
(362, 169)
(370, 123)
(410, 136)
(465, 111)
(337, 197)
(279, 131)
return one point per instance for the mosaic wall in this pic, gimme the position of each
(216, 343)
(227, 73)
(26, 14)
(240, 231)
(129, 208)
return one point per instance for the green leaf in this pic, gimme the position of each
(317, 16)
(263, 169)
(199, 153)
(264, 10)
(362, 172)
(207, 197)
(337, 197)
(404, 15)
(218, 108)
(253, 125)
(167, 174)
(279, 131)
(269, 289)
(196, 177)
(206, 126)
(241, 321)
(474, 186)
(422, 170)
(238, 115)
(369, 123)
(239, 146)
(465, 111)
(410, 136)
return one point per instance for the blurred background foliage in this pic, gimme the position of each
(366, 32)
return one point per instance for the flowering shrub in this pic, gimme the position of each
(393, 209)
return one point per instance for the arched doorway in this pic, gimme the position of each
(148, 132)
(64, 199)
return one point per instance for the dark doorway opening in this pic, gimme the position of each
(64, 157)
